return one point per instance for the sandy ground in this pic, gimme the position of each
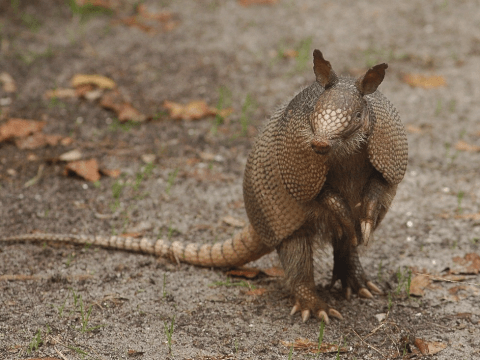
(69, 302)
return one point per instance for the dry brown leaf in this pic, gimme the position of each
(464, 146)
(61, 93)
(311, 346)
(274, 272)
(19, 128)
(424, 81)
(8, 82)
(113, 173)
(474, 217)
(421, 345)
(256, 292)
(249, 273)
(37, 140)
(230, 220)
(113, 100)
(257, 2)
(88, 169)
(129, 113)
(194, 110)
(469, 264)
(454, 290)
(429, 347)
(418, 284)
(100, 81)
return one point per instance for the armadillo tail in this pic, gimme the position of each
(244, 247)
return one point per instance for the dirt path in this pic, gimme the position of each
(70, 302)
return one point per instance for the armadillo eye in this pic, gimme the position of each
(358, 116)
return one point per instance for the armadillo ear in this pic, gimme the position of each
(323, 70)
(369, 82)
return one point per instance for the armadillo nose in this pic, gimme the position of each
(320, 146)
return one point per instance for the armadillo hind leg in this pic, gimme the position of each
(348, 269)
(296, 257)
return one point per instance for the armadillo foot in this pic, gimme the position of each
(309, 304)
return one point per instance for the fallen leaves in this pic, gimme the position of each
(468, 265)
(88, 169)
(252, 273)
(99, 87)
(150, 22)
(113, 100)
(462, 145)
(429, 347)
(61, 93)
(274, 272)
(37, 140)
(249, 273)
(18, 128)
(194, 110)
(418, 284)
(424, 81)
(474, 217)
(99, 81)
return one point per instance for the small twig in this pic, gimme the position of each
(443, 327)
(370, 346)
(433, 277)
(374, 330)
(60, 354)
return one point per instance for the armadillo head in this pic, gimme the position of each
(340, 121)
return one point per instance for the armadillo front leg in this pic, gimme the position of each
(376, 200)
(335, 205)
(296, 257)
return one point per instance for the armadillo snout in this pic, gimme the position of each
(321, 147)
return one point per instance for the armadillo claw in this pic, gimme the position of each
(348, 293)
(366, 227)
(335, 314)
(305, 315)
(374, 288)
(295, 308)
(322, 315)
(364, 293)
